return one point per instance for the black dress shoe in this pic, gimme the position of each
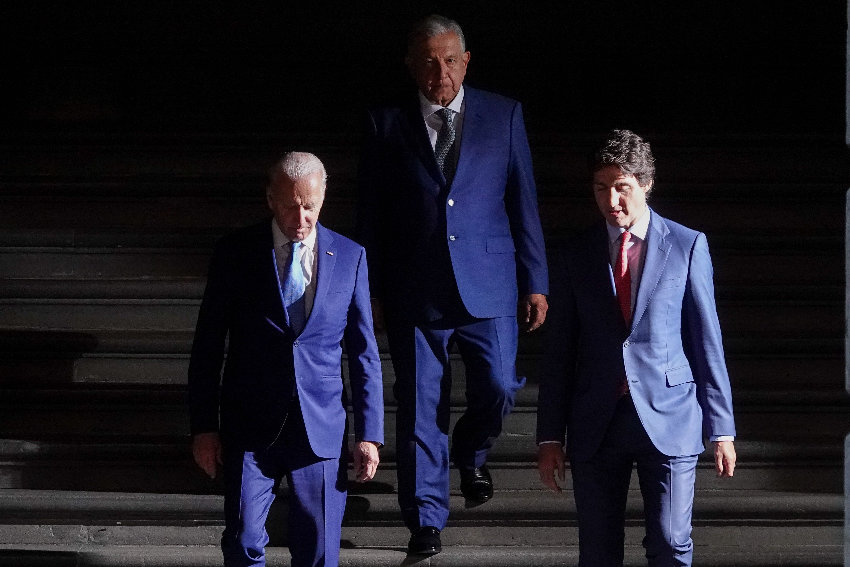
(476, 484)
(425, 541)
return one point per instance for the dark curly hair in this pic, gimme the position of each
(629, 152)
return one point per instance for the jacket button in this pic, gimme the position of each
(295, 343)
(626, 344)
(451, 202)
(452, 238)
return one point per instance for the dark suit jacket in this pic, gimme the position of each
(267, 364)
(672, 355)
(481, 232)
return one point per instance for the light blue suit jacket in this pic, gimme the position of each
(672, 355)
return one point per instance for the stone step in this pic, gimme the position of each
(149, 463)
(520, 508)
(144, 287)
(714, 547)
(787, 319)
(41, 358)
(116, 413)
(137, 157)
(110, 394)
(129, 254)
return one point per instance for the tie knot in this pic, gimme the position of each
(447, 115)
(625, 237)
(294, 245)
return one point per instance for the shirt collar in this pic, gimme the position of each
(428, 108)
(639, 229)
(280, 239)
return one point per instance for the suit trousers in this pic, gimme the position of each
(317, 493)
(601, 488)
(423, 381)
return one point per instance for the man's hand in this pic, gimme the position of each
(532, 311)
(550, 458)
(365, 460)
(724, 458)
(206, 448)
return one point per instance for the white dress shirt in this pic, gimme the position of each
(308, 262)
(635, 249)
(433, 121)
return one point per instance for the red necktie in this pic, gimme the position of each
(623, 279)
(623, 285)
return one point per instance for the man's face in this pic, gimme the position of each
(438, 65)
(296, 204)
(620, 198)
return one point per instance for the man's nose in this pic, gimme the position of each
(613, 197)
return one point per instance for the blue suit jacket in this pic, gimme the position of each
(267, 364)
(481, 232)
(672, 355)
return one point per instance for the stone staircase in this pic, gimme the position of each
(104, 242)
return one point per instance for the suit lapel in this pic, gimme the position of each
(415, 134)
(471, 129)
(325, 261)
(269, 278)
(657, 251)
(598, 280)
(600, 262)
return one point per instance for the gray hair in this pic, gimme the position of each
(432, 26)
(297, 165)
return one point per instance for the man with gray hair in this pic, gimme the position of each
(448, 213)
(285, 295)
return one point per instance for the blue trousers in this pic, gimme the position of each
(601, 488)
(317, 493)
(422, 388)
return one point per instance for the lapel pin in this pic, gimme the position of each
(329, 253)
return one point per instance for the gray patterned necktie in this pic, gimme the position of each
(445, 140)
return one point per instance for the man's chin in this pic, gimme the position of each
(300, 235)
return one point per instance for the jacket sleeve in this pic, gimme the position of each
(521, 201)
(208, 347)
(364, 362)
(703, 344)
(559, 359)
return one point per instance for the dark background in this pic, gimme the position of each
(747, 68)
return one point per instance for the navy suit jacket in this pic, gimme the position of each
(267, 364)
(672, 355)
(482, 232)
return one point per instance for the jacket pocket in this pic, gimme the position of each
(500, 245)
(679, 376)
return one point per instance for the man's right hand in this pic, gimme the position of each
(550, 458)
(206, 448)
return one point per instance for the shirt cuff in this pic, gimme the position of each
(722, 438)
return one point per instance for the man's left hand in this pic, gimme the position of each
(532, 311)
(724, 458)
(366, 460)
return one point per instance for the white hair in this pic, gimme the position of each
(297, 165)
(432, 26)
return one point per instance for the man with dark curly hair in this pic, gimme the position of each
(634, 371)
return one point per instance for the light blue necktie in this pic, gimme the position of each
(293, 290)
